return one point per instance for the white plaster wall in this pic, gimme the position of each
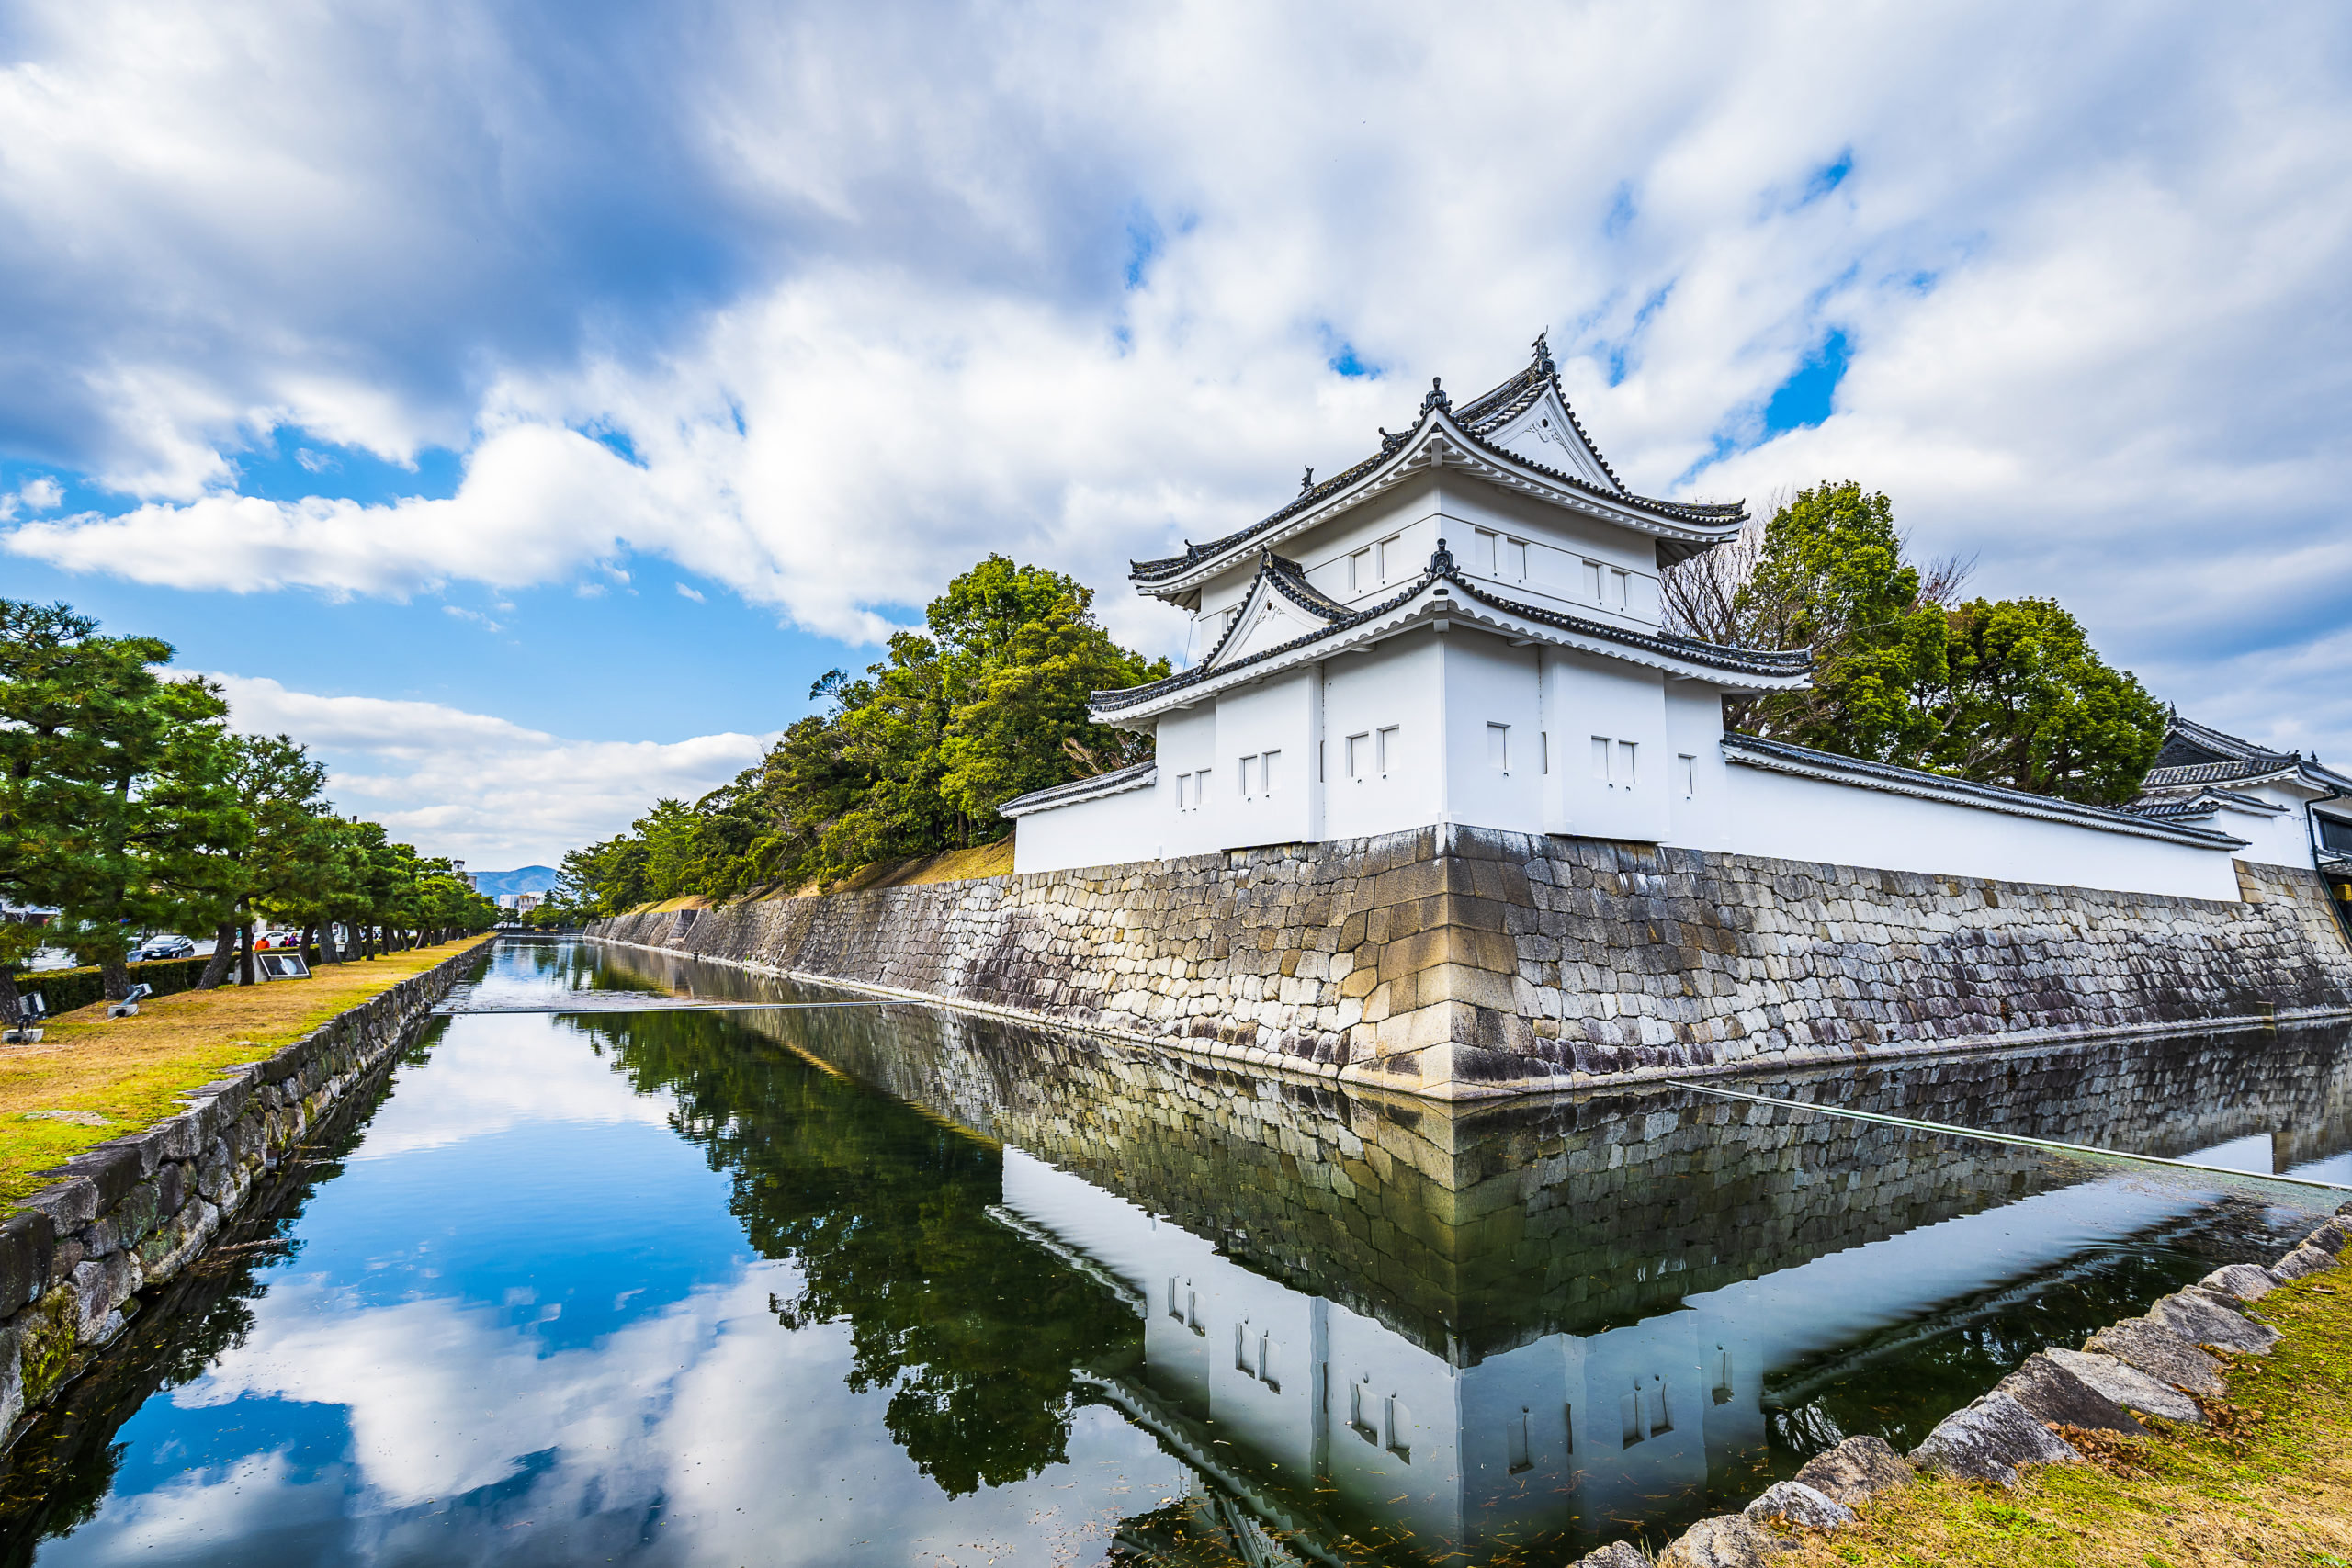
(1780, 816)
(1279, 715)
(1585, 697)
(1396, 682)
(1698, 806)
(1561, 541)
(1110, 831)
(1486, 680)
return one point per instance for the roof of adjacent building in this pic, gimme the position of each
(1284, 578)
(1476, 420)
(1781, 756)
(1140, 775)
(2196, 755)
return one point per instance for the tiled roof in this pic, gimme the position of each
(1741, 747)
(1477, 419)
(1752, 661)
(2197, 754)
(1141, 776)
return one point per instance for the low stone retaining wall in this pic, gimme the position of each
(130, 1214)
(2158, 1366)
(1455, 962)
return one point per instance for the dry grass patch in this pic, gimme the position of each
(2270, 1482)
(92, 1079)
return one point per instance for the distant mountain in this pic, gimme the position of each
(526, 879)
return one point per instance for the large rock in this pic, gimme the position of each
(2156, 1350)
(1855, 1469)
(2330, 1237)
(2203, 1322)
(2053, 1394)
(1988, 1440)
(2245, 1282)
(1792, 1502)
(1728, 1540)
(2304, 1259)
(2128, 1386)
(1616, 1555)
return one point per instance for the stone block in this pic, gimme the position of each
(2127, 1386)
(2304, 1259)
(2245, 1282)
(2053, 1394)
(1728, 1540)
(1988, 1440)
(1792, 1502)
(1854, 1469)
(2204, 1322)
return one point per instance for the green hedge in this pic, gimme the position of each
(65, 989)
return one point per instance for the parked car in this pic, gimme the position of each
(165, 947)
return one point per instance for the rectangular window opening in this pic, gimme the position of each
(1629, 1418)
(1391, 752)
(1391, 552)
(1723, 1376)
(1544, 735)
(1661, 1413)
(1523, 1455)
(1400, 1428)
(1619, 582)
(1499, 747)
(1592, 583)
(1568, 1424)
(1359, 755)
(1601, 748)
(1514, 561)
(1360, 577)
(1482, 551)
(1625, 753)
(1686, 774)
(1268, 771)
(1359, 1417)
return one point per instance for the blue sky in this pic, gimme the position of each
(523, 404)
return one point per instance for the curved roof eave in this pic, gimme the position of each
(1686, 528)
(1738, 669)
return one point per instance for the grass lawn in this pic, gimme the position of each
(91, 1079)
(2270, 1481)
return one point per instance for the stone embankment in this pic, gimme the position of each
(128, 1216)
(2159, 1367)
(1457, 962)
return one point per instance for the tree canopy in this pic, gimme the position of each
(128, 805)
(988, 701)
(2007, 692)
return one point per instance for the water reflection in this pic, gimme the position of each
(892, 1283)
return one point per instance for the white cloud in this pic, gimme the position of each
(483, 789)
(686, 593)
(1064, 283)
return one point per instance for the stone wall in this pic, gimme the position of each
(133, 1212)
(1457, 962)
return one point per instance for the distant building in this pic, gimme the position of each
(2291, 810)
(521, 903)
(1465, 627)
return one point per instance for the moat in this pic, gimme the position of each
(653, 1281)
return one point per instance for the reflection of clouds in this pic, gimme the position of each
(513, 1070)
(443, 1395)
(739, 1437)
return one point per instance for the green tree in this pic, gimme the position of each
(1831, 577)
(2008, 693)
(2030, 705)
(914, 756)
(116, 808)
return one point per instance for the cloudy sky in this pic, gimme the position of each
(523, 404)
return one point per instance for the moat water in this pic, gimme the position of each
(662, 1284)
